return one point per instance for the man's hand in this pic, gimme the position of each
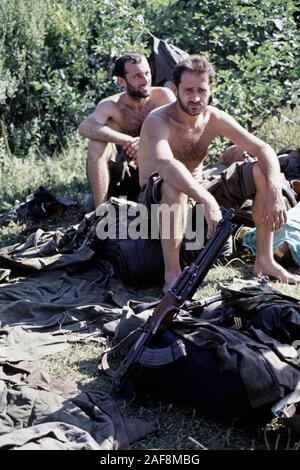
(212, 214)
(131, 148)
(274, 213)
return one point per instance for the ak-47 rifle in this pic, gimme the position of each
(169, 306)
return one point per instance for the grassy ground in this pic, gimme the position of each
(179, 427)
(282, 132)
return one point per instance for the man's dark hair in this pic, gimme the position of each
(130, 57)
(194, 64)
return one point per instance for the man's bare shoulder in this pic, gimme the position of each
(160, 114)
(157, 122)
(108, 107)
(216, 113)
(162, 95)
(213, 111)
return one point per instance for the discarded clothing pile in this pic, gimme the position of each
(54, 291)
(39, 412)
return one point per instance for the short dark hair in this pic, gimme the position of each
(194, 64)
(131, 57)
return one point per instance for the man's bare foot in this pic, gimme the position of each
(275, 270)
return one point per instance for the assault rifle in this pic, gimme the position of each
(169, 306)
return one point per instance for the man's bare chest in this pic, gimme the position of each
(131, 120)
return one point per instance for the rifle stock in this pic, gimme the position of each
(169, 306)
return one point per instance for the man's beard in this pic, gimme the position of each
(186, 108)
(134, 93)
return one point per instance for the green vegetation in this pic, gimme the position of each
(56, 58)
(179, 427)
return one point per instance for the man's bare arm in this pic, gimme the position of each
(266, 156)
(95, 125)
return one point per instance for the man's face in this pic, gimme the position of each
(193, 92)
(137, 81)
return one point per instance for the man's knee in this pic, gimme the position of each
(98, 149)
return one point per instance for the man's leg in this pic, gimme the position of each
(265, 263)
(177, 203)
(99, 154)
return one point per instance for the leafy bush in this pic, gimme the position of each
(55, 64)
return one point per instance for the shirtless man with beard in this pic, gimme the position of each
(117, 120)
(173, 144)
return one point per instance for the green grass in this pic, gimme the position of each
(63, 173)
(282, 132)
